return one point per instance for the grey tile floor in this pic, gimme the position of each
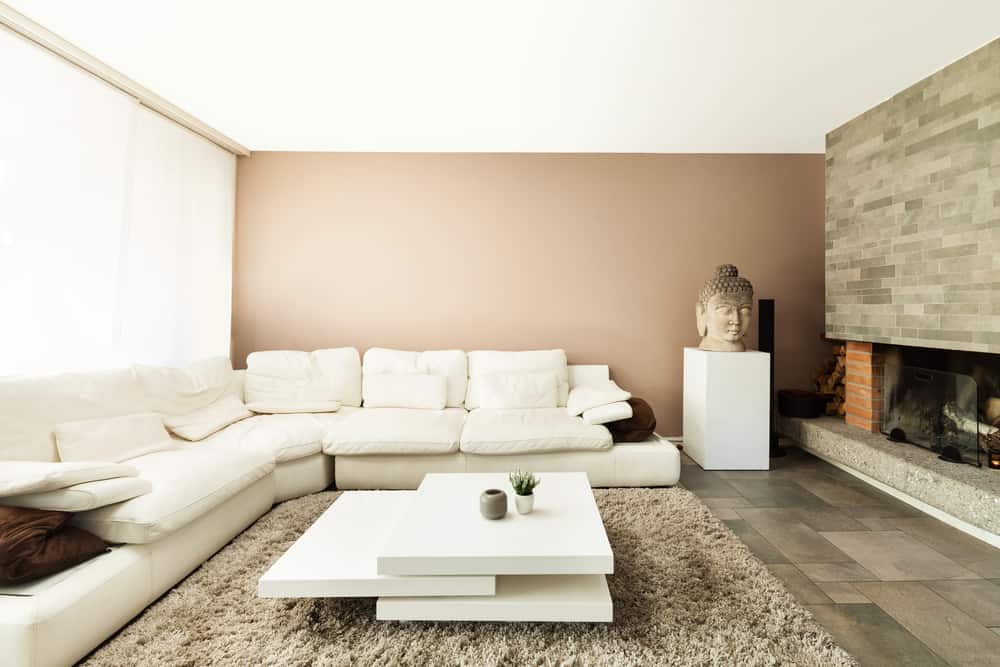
(893, 585)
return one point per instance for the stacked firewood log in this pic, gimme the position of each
(830, 380)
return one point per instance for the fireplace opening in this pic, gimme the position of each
(947, 401)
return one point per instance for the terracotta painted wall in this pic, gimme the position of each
(602, 255)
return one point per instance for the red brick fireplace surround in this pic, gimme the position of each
(863, 386)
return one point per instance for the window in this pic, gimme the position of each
(115, 225)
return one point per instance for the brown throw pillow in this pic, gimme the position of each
(636, 428)
(35, 543)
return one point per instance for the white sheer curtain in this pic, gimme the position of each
(64, 140)
(115, 225)
(177, 277)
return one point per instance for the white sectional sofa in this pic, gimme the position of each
(206, 492)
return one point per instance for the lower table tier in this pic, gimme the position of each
(567, 598)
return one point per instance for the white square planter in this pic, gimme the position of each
(727, 409)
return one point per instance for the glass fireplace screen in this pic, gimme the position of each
(935, 409)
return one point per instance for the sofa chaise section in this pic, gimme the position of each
(203, 494)
(187, 483)
(59, 619)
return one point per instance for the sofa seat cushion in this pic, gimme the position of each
(187, 483)
(395, 431)
(530, 431)
(328, 419)
(286, 437)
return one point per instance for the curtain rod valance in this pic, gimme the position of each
(24, 26)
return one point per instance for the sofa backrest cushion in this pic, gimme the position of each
(605, 414)
(31, 407)
(293, 407)
(174, 392)
(418, 390)
(285, 375)
(195, 400)
(112, 438)
(239, 381)
(587, 396)
(511, 391)
(482, 363)
(199, 424)
(588, 374)
(449, 364)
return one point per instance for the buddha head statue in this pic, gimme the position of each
(724, 310)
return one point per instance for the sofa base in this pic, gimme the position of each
(655, 462)
(310, 474)
(70, 613)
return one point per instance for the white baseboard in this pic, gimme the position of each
(954, 522)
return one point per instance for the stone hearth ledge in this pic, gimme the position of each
(965, 492)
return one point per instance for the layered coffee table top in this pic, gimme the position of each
(336, 556)
(441, 531)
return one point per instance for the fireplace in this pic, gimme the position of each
(945, 400)
(911, 237)
(911, 243)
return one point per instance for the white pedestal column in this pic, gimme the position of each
(726, 409)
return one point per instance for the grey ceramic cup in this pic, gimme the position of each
(493, 504)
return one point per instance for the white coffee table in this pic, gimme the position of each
(430, 555)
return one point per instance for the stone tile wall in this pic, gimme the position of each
(913, 214)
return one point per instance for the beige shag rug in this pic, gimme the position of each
(686, 591)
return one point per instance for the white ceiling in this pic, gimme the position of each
(525, 75)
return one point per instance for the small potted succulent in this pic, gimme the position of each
(524, 484)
